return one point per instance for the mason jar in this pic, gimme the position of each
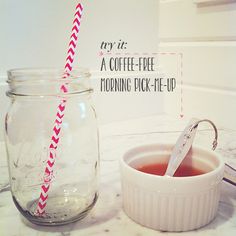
(52, 145)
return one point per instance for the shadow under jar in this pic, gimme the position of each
(73, 180)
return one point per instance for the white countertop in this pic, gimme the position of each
(107, 217)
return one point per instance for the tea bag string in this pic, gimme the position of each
(195, 125)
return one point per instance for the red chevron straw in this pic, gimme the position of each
(48, 172)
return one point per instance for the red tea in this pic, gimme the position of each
(160, 169)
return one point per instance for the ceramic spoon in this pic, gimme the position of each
(184, 143)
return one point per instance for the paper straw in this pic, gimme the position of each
(60, 114)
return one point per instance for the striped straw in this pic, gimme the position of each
(48, 172)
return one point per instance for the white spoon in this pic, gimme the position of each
(184, 143)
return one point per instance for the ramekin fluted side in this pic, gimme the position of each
(167, 212)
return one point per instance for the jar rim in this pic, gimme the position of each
(40, 96)
(43, 81)
(19, 74)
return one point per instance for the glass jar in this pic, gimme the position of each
(72, 183)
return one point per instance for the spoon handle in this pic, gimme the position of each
(184, 143)
(181, 147)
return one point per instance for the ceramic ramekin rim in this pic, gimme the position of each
(177, 179)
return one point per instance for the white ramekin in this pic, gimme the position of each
(170, 203)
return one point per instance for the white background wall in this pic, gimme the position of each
(36, 33)
(206, 36)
